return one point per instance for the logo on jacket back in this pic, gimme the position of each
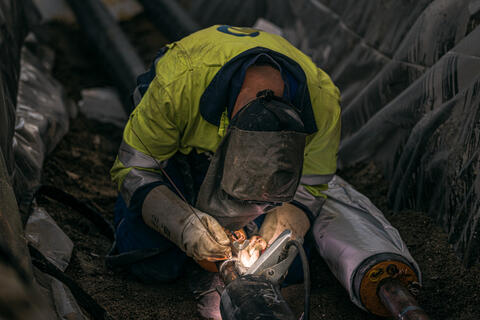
(239, 32)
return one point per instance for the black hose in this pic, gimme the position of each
(38, 259)
(306, 275)
(106, 228)
(84, 299)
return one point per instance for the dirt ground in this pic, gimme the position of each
(80, 166)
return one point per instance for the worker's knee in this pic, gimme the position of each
(162, 268)
(133, 234)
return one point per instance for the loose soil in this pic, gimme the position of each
(80, 166)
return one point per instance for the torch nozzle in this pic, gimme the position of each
(228, 270)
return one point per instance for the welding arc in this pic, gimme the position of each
(175, 186)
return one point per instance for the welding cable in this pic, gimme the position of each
(105, 227)
(96, 311)
(112, 259)
(306, 275)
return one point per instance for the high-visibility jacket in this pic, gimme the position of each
(187, 105)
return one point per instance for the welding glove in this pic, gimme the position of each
(200, 236)
(287, 216)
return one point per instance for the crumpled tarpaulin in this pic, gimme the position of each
(59, 297)
(43, 114)
(44, 234)
(104, 105)
(408, 74)
(14, 27)
(19, 298)
(38, 124)
(429, 143)
(42, 119)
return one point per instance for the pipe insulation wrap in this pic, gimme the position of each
(351, 230)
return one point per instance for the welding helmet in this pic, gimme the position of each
(258, 164)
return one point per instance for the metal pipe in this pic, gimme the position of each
(399, 302)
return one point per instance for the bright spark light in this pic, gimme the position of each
(251, 253)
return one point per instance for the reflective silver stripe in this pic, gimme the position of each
(134, 180)
(131, 157)
(312, 203)
(316, 179)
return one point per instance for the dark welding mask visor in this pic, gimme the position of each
(264, 152)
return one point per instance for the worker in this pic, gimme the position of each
(232, 128)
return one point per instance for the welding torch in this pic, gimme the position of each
(253, 292)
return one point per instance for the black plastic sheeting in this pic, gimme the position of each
(409, 76)
(13, 29)
(42, 119)
(409, 83)
(16, 277)
(428, 142)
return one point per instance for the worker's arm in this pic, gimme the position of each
(150, 138)
(196, 233)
